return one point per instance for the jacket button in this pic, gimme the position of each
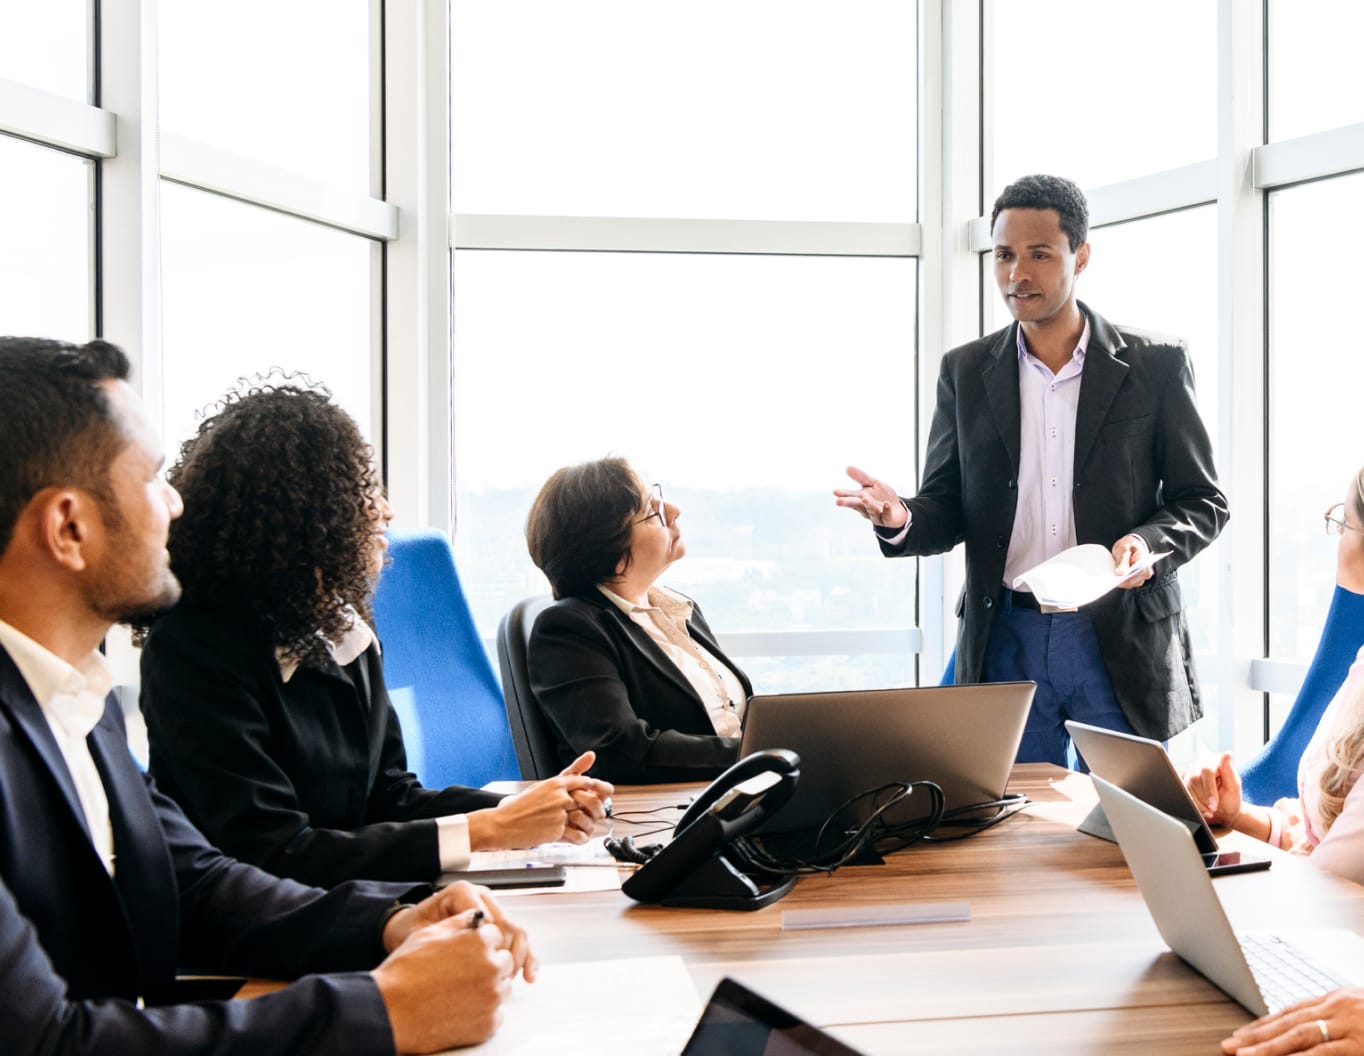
(999, 543)
(1013, 483)
(989, 602)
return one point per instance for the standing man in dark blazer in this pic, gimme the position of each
(105, 887)
(1063, 429)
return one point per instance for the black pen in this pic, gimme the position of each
(475, 920)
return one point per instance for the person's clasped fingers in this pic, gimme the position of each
(591, 804)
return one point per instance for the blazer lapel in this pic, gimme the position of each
(28, 716)
(1000, 379)
(1103, 375)
(648, 648)
(143, 875)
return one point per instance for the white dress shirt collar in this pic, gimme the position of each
(72, 701)
(358, 637)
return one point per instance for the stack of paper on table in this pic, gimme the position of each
(1077, 576)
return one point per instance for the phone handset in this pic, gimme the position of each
(763, 782)
(694, 870)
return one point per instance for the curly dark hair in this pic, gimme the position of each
(579, 527)
(1048, 192)
(281, 500)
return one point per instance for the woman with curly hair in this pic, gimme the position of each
(263, 689)
(1326, 820)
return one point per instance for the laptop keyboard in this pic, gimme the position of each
(1284, 973)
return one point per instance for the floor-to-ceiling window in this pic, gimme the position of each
(683, 234)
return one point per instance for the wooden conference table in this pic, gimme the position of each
(1060, 955)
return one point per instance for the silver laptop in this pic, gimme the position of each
(1260, 971)
(964, 738)
(1143, 768)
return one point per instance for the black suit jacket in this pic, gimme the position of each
(78, 948)
(308, 778)
(606, 685)
(1143, 464)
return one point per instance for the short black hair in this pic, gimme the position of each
(280, 501)
(1048, 192)
(57, 426)
(580, 524)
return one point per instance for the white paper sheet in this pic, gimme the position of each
(646, 1006)
(1077, 576)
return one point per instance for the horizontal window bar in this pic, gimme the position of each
(210, 168)
(1277, 676)
(906, 640)
(56, 121)
(1116, 203)
(666, 235)
(1331, 153)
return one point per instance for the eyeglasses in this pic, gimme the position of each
(655, 506)
(1336, 523)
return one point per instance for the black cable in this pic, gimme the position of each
(961, 817)
(874, 834)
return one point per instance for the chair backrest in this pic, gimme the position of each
(537, 749)
(1274, 772)
(436, 668)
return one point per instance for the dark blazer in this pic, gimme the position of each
(307, 779)
(606, 685)
(1143, 464)
(78, 948)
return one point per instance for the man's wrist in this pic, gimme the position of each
(392, 929)
(483, 829)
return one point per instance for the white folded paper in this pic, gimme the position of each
(1077, 576)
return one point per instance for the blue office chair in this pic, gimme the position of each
(438, 673)
(1273, 774)
(949, 673)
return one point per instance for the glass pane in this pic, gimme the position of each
(45, 252)
(244, 290)
(1068, 95)
(765, 109)
(744, 384)
(283, 82)
(1182, 249)
(46, 45)
(1316, 376)
(1313, 66)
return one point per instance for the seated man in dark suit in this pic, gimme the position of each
(105, 888)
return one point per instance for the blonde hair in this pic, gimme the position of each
(1344, 762)
(1345, 748)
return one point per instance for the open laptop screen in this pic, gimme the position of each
(738, 1022)
(963, 738)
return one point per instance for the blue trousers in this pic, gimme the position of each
(1060, 653)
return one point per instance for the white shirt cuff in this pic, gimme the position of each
(898, 537)
(452, 842)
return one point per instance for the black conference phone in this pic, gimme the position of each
(694, 869)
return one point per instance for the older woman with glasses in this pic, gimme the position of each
(620, 664)
(1326, 820)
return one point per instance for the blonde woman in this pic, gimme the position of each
(1326, 820)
